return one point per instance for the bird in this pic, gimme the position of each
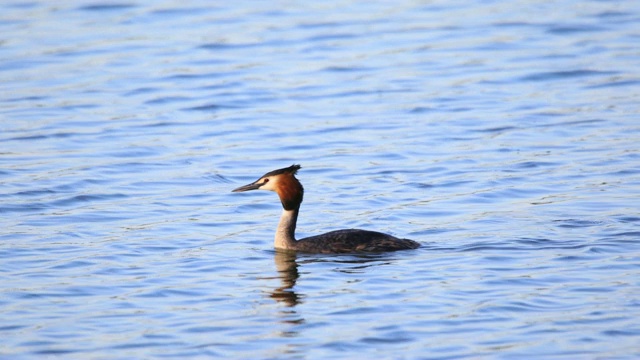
(284, 183)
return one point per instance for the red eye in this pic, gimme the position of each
(266, 181)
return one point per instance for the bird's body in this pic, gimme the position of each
(291, 192)
(353, 240)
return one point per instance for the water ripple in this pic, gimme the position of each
(561, 75)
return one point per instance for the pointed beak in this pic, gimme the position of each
(252, 186)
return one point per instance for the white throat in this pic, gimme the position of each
(285, 234)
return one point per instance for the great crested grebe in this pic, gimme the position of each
(290, 191)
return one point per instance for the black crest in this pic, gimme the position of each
(293, 169)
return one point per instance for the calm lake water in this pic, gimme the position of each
(504, 136)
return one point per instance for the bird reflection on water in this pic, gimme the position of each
(287, 268)
(287, 263)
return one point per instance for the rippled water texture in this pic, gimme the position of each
(504, 136)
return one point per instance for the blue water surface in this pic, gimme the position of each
(504, 136)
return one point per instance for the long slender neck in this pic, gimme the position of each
(290, 192)
(285, 234)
